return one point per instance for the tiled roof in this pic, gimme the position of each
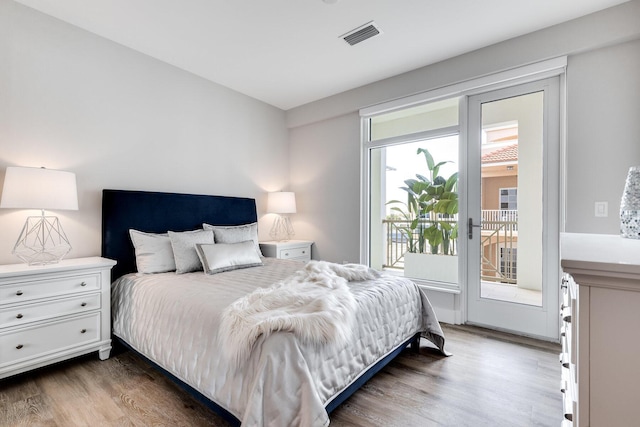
(504, 154)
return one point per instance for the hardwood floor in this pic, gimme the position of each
(492, 379)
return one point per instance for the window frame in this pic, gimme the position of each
(501, 79)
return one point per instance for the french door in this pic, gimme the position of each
(512, 193)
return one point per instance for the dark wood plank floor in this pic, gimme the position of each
(493, 379)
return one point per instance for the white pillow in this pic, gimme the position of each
(184, 248)
(153, 252)
(222, 257)
(236, 234)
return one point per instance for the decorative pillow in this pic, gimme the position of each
(235, 234)
(184, 248)
(153, 252)
(228, 256)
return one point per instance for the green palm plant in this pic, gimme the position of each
(432, 201)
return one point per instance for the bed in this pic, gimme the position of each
(176, 321)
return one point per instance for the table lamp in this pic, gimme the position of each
(42, 240)
(281, 202)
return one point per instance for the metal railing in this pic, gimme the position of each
(499, 234)
(498, 217)
(397, 243)
(498, 251)
(399, 240)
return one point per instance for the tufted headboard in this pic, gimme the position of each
(155, 212)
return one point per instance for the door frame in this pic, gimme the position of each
(541, 322)
(456, 310)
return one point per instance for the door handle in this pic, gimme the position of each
(470, 226)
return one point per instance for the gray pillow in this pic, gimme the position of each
(236, 234)
(221, 257)
(153, 252)
(184, 248)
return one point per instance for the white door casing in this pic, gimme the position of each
(538, 321)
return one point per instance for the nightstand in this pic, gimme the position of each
(299, 250)
(54, 312)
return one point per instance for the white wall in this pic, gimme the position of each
(325, 174)
(73, 101)
(603, 111)
(603, 122)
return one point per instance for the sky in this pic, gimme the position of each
(407, 163)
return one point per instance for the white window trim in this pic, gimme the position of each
(414, 137)
(514, 76)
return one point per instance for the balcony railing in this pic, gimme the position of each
(497, 217)
(399, 240)
(499, 244)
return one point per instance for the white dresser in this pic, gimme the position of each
(54, 312)
(601, 330)
(291, 249)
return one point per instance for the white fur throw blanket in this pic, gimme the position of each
(315, 304)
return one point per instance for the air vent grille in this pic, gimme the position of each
(362, 33)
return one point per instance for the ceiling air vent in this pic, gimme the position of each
(362, 33)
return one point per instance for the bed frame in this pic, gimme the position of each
(159, 212)
(156, 212)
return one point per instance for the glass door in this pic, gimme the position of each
(513, 209)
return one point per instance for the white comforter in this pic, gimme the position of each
(173, 320)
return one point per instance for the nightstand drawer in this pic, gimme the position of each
(24, 314)
(39, 340)
(28, 290)
(295, 253)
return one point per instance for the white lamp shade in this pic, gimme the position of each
(281, 202)
(39, 188)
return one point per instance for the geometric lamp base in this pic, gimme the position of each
(281, 230)
(42, 241)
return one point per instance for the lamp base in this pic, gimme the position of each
(282, 230)
(42, 241)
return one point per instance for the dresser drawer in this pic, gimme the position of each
(23, 314)
(295, 253)
(43, 287)
(25, 343)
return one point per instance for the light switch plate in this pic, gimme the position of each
(602, 209)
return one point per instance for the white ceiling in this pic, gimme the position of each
(289, 52)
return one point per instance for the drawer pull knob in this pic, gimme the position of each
(83, 284)
(19, 293)
(19, 346)
(82, 331)
(287, 254)
(19, 316)
(304, 252)
(84, 304)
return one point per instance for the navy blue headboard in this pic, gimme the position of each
(160, 212)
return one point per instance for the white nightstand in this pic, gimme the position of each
(299, 250)
(54, 312)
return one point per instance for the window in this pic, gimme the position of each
(412, 120)
(508, 199)
(509, 263)
(412, 163)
